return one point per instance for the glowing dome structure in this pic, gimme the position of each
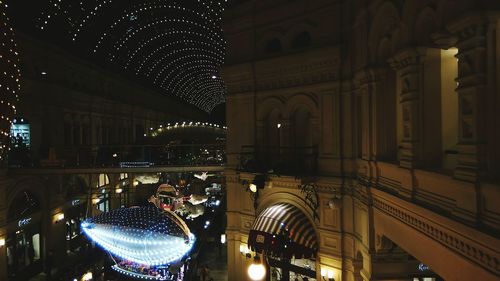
(141, 236)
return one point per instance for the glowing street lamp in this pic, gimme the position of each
(256, 271)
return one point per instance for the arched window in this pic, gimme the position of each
(302, 128)
(302, 40)
(24, 204)
(273, 46)
(103, 180)
(75, 186)
(272, 135)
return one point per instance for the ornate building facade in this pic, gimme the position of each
(377, 121)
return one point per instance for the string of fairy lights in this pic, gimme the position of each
(10, 78)
(177, 46)
(153, 132)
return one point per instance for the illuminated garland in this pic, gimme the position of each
(10, 78)
(172, 126)
(178, 46)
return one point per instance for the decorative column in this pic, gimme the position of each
(472, 90)
(376, 114)
(408, 65)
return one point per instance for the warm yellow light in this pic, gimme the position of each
(242, 248)
(95, 201)
(223, 238)
(2, 242)
(87, 276)
(330, 273)
(256, 271)
(136, 183)
(323, 272)
(59, 217)
(119, 190)
(252, 187)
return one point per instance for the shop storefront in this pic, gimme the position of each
(74, 215)
(286, 239)
(24, 247)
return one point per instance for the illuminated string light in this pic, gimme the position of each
(143, 235)
(10, 78)
(174, 126)
(177, 46)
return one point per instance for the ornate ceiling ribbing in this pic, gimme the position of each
(178, 46)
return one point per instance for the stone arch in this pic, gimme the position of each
(384, 49)
(425, 25)
(276, 33)
(385, 21)
(302, 112)
(301, 100)
(301, 127)
(32, 185)
(75, 185)
(102, 180)
(267, 105)
(292, 199)
(399, 38)
(409, 13)
(302, 27)
(447, 10)
(358, 266)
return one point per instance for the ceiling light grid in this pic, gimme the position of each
(178, 46)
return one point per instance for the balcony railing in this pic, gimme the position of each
(122, 156)
(279, 159)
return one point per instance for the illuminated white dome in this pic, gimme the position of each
(142, 235)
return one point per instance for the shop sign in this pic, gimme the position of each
(23, 222)
(260, 239)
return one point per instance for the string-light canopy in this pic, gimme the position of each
(10, 78)
(176, 45)
(143, 235)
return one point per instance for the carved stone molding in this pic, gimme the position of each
(486, 257)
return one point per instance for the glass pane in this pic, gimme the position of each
(36, 246)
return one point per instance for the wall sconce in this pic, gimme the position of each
(118, 190)
(59, 217)
(2, 242)
(245, 251)
(259, 182)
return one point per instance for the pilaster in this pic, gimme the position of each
(408, 64)
(472, 90)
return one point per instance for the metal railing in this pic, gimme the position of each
(122, 156)
(279, 159)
